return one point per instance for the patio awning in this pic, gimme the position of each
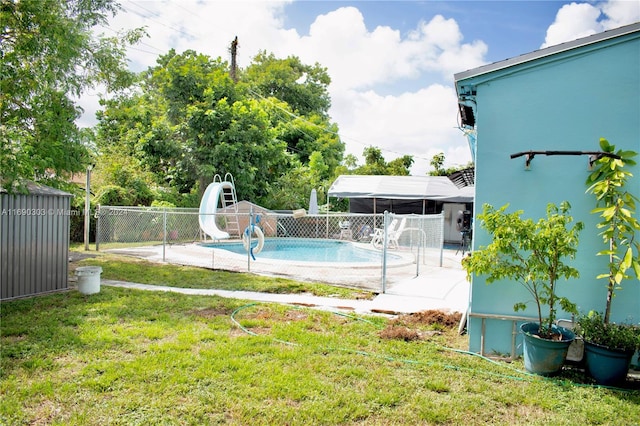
(439, 188)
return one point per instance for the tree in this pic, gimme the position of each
(187, 79)
(619, 227)
(236, 139)
(49, 56)
(303, 87)
(306, 135)
(375, 164)
(188, 121)
(152, 122)
(400, 166)
(436, 162)
(534, 254)
(301, 110)
(373, 156)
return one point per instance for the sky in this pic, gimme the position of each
(391, 63)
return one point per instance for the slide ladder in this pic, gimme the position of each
(230, 199)
(219, 194)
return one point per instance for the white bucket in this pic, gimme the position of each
(88, 279)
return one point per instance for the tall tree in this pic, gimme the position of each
(306, 135)
(236, 138)
(49, 57)
(187, 79)
(188, 121)
(303, 87)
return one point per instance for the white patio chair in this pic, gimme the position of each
(394, 235)
(377, 238)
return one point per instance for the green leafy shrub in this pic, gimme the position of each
(531, 254)
(624, 337)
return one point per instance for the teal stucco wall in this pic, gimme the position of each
(566, 101)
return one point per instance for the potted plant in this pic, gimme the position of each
(619, 227)
(608, 347)
(532, 253)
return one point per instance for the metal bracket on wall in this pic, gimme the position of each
(593, 156)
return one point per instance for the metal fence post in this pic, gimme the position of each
(441, 237)
(164, 233)
(326, 232)
(87, 210)
(418, 257)
(249, 232)
(98, 221)
(384, 251)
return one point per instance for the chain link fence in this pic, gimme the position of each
(356, 250)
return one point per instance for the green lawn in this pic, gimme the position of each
(136, 357)
(126, 268)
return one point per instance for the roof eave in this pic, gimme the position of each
(552, 50)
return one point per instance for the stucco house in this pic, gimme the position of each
(561, 98)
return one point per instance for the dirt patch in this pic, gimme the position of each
(430, 317)
(410, 327)
(212, 312)
(405, 333)
(270, 315)
(295, 316)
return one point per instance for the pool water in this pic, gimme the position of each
(306, 250)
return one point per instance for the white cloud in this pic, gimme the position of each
(577, 20)
(421, 124)
(619, 13)
(359, 59)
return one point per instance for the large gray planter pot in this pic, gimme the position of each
(542, 356)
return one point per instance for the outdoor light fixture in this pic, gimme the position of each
(466, 115)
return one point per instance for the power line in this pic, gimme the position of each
(143, 51)
(188, 11)
(156, 21)
(139, 42)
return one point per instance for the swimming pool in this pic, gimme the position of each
(309, 250)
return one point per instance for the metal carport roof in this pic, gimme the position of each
(438, 188)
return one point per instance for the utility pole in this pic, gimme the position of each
(234, 66)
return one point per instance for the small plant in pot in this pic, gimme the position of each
(532, 254)
(608, 347)
(619, 227)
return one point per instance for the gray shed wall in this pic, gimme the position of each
(34, 244)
